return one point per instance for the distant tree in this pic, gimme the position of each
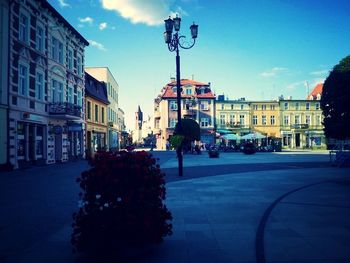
(335, 101)
(190, 130)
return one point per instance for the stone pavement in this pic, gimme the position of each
(278, 215)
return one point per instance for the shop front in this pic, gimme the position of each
(96, 139)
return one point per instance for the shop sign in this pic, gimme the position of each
(75, 127)
(32, 117)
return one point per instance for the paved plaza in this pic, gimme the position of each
(269, 207)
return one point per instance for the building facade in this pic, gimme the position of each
(233, 116)
(197, 102)
(96, 103)
(46, 87)
(4, 41)
(265, 118)
(114, 132)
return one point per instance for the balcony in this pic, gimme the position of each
(65, 110)
(300, 126)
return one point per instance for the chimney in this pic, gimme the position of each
(172, 79)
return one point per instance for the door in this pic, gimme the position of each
(297, 140)
(58, 147)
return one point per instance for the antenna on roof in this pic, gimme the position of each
(307, 88)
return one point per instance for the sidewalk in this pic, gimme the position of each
(242, 217)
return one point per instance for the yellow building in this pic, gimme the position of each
(265, 118)
(96, 102)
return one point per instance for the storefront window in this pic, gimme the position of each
(39, 142)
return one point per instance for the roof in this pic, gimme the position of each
(61, 19)
(167, 91)
(317, 90)
(95, 89)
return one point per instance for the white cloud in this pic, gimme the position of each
(151, 13)
(97, 45)
(295, 85)
(87, 20)
(319, 72)
(273, 72)
(103, 26)
(63, 3)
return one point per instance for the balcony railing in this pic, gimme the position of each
(65, 108)
(300, 126)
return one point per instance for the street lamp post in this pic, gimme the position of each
(174, 43)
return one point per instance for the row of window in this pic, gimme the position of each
(97, 110)
(189, 91)
(112, 115)
(297, 119)
(204, 122)
(286, 106)
(58, 92)
(57, 48)
(232, 119)
(204, 105)
(112, 92)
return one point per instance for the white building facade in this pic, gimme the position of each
(46, 87)
(114, 131)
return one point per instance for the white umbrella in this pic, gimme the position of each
(253, 136)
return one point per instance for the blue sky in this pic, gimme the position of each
(257, 49)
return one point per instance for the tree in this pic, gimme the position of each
(190, 130)
(335, 101)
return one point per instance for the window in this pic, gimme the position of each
(70, 59)
(307, 106)
(232, 119)
(317, 106)
(204, 122)
(272, 107)
(56, 91)
(103, 115)
(255, 120)
(308, 119)
(241, 119)
(242, 106)
(222, 106)
(57, 50)
(39, 86)
(80, 98)
(318, 119)
(96, 113)
(286, 105)
(263, 119)
(255, 107)
(173, 105)
(79, 67)
(70, 94)
(40, 38)
(174, 89)
(23, 80)
(172, 123)
(204, 105)
(297, 119)
(263, 107)
(232, 106)
(297, 106)
(286, 120)
(188, 91)
(222, 119)
(60, 92)
(23, 28)
(272, 120)
(89, 110)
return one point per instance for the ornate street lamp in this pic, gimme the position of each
(173, 40)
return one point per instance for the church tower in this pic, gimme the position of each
(138, 126)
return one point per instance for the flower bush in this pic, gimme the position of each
(121, 203)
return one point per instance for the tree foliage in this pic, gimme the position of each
(335, 101)
(190, 130)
